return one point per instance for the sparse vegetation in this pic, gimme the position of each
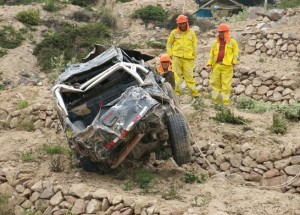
(84, 3)
(10, 38)
(191, 178)
(59, 64)
(200, 203)
(241, 16)
(70, 42)
(124, 1)
(128, 185)
(146, 180)
(2, 87)
(156, 44)
(81, 16)
(171, 193)
(150, 13)
(251, 105)
(279, 125)
(51, 6)
(18, 2)
(27, 156)
(5, 206)
(291, 111)
(3, 52)
(73, 162)
(288, 4)
(22, 104)
(29, 17)
(199, 106)
(53, 149)
(202, 23)
(261, 60)
(56, 164)
(130, 45)
(26, 124)
(227, 116)
(108, 18)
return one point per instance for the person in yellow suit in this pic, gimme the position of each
(181, 47)
(165, 69)
(222, 59)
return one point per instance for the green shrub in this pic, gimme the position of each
(290, 111)
(150, 13)
(70, 42)
(251, 105)
(227, 116)
(22, 104)
(3, 52)
(59, 64)
(81, 16)
(156, 44)
(51, 6)
(191, 178)
(146, 180)
(84, 3)
(10, 38)
(53, 149)
(2, 87)
(279, 125)
(108, 18)
(241, 16)
(29, 17)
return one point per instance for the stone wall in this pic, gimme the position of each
(257, 84)
(40, 115)
(269, 167)
(45, 198)
(277, 44)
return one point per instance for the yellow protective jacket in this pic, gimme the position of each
(230, 55)
(182, 44)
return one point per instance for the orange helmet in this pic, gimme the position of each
(181, 19)
(223, 27)
(165, 58)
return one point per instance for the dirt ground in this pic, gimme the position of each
(215, 197)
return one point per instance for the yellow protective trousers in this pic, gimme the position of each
(220, 81)
(184, 67)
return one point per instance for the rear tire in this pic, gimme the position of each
(87, 165)
(179, 139)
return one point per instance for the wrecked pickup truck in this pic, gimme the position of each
(113, 105)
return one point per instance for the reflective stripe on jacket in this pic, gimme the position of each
(230, 56)
(182, 44)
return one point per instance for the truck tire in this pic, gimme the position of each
(179, 139)
(172, 94)
(87, 165)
